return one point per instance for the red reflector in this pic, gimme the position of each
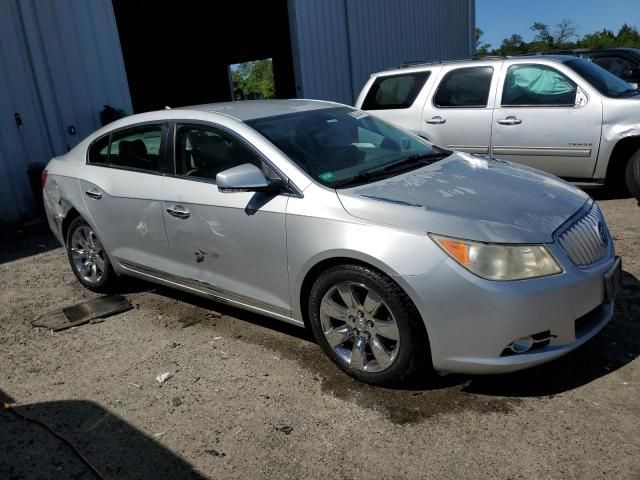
(44, 178)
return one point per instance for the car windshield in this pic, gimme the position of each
(605, 82)
(341, 146)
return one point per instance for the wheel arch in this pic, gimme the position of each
(71, 215)
(324, 264)
(620, 155)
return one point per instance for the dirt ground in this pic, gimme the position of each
(239, 380)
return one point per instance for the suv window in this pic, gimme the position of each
(464, 87)
(619, 66)
(203, 151)
(136, 147)
(395, 91)
(537, 85)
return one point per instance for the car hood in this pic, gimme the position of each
(470, 197)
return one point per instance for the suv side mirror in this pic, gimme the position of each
(243, 178)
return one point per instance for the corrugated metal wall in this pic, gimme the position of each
(60, 63)
(339, 43)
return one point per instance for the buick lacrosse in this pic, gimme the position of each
(393, 251)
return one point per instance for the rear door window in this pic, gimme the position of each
(395, 91)
(464, 88)
(136, 148)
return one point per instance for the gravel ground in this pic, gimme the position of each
(239, 380)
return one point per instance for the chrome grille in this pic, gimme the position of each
(587, 240)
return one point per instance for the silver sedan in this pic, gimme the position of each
(394, 252)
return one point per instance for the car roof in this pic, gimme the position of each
(253, 109)
(416, 66)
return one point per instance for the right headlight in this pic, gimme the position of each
(500, 262)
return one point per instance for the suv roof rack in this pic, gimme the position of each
(416, 63)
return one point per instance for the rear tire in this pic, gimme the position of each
(88, 258)
(367, 325)
(632, 175)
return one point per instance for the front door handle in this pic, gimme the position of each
(510, 120)
(178, 212)
(94, 193)
(437, 120)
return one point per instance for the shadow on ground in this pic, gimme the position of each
(112, 446)
(19, 241)
(615, 346)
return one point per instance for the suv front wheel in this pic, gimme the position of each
(632, 175)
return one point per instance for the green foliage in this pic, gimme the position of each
(253, 80)
(564, 37)
(480, 47)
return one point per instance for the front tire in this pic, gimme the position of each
(366, 324)
(88, 258)
(632, 175)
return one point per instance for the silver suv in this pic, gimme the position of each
(561, 114)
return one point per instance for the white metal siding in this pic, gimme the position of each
(339, 43)
(60, 63)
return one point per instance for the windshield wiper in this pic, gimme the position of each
(411, 160)
(405, 164)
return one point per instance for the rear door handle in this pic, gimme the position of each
(178, 212)
(510, 120)
(94, 193)
(437, 120)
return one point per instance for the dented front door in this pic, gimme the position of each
(232, 244)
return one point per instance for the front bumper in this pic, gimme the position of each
(472, 321)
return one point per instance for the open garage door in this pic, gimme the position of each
(184, 53)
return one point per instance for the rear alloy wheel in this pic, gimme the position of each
(87, 256)
(632, 175)
(367, 325)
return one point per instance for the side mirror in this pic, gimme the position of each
(243, 178)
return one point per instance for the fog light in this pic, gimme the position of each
(522, 344)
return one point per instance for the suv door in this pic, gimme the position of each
(231, 245)
(397, 98)
(459, 114)
(545, 120)
(122, 185)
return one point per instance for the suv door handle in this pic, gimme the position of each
(437, 120)
(510, 120)
(178, 212)
(94, 193)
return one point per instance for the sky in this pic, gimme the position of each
(500, 18)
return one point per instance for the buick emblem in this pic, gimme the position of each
(602, 231)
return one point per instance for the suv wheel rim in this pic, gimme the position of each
(359, 327)
(87, 254)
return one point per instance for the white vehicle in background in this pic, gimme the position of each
(561, 114)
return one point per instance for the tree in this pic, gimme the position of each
(565, 36)
(253, 80)
(543, 39)
(479, 47)
(565, 32)
(514, 45)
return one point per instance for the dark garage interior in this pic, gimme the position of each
(179, 54)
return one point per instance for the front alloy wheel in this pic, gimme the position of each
(367, 325)
(360, 327)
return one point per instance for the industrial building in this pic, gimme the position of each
(62, 61)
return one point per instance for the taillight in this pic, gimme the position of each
(44, 178)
